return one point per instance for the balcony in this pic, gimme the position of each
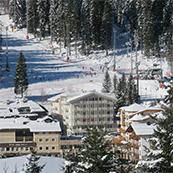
(121, 130)
(24, 138)
(123, 123)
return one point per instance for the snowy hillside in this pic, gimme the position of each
(50, 73)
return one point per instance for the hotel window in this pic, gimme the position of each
(47, 140)
(17, 148)
(47, 148)
(12, 148)
(40, 132)
(84, 106)
(21, 148)
(31, 148)
(2, 149)
(100, 99)
(8, 149)
(84, 113)
(108, 105)
(53, 148)
(53, 139)
(40, 148)
(40, 140)
(26, 148)
(46, 132)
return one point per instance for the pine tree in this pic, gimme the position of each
(21, 13)
(107, 85)
(95, 157)
(106, 26)
(86, 27)
(160, 158)
(32, 165)
(41, 10)
(21, 80)
(121, 93)
(17, 11)
(33, 17)
(131, 91)
(115, 84)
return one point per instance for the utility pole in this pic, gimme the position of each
(7, 66)
(27, 37)
(114, 50)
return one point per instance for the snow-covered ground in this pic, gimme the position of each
(50, 73)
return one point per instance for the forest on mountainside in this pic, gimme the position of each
(89, 24)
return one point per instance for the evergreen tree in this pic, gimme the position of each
(32, 165)
(21, 80)
(107, 85)
(115, 84)
(106, 26)
(145, 28)
(95, 157)
(17, 11)
(41, 10)
(86, 27)
(33, 17)
(121, 93)
(21, 13)
(11, 9)
(53, 19)
(160, 158)
(131, 91)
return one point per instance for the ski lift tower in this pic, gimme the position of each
(137, 63)
(114, 50)
(7, 66)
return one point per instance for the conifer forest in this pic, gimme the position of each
(88, 25)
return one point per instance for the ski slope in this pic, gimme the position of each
(52, 74)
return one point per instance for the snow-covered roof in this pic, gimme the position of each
(141, 129)
(156, 110)
(132, 108)
(110, 96)
(73, 96)
(137, 117)
(34, 126)
(53, 164)
(13, 106)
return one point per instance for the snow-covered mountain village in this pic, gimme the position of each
(86, 86)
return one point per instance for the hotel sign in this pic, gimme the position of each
(18, 144)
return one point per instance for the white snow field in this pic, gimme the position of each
(51, 74)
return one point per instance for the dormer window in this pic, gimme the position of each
(24, 110)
